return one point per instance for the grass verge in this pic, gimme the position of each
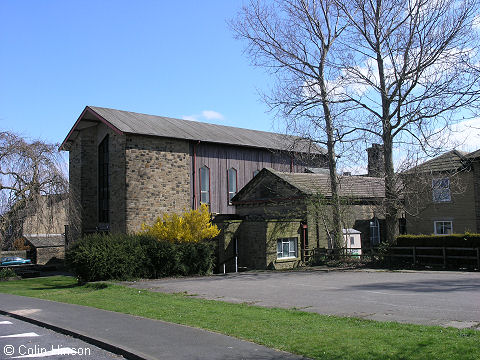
(309, 334)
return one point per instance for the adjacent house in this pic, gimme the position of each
(280, 216)
(43, 214)
(127, 168)
(45, 248)
(442, 195)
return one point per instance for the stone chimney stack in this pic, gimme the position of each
(376, 162)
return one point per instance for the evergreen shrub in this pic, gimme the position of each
(123, 257)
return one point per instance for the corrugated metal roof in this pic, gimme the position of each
(135, 123)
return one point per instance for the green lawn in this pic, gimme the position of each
(312, 335)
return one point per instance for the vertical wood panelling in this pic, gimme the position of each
(220, 157)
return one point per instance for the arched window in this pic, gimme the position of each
(103, 181)
(204, 185)
(232, 183)
(374, 232)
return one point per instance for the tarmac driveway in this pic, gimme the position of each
(434, 298)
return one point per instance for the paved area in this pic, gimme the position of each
(134, 337)
(433, 298)
(21, 340)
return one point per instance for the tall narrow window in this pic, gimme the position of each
(374, 232)
(232, 183)
(204, 185)
(103, 181)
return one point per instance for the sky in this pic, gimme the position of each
(168, 58)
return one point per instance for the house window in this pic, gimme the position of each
(287, 248)
(204, 185)
(374, 232)
(441, 190)
(443, 227)
(255, 173)
(103, 181)
(232, 183)
(352, 241)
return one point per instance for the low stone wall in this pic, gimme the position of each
(19, 253)
(49, 254)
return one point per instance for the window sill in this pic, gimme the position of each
(289, 259)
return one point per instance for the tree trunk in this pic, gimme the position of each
(332, 161)
(391, 206)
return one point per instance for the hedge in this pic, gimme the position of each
(466, 240)
(123, 257)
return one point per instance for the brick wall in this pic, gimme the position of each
(157, 178)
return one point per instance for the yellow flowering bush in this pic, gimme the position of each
(191, 226)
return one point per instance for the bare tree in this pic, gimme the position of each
(296, 40)
(31, 181)
(412, 71)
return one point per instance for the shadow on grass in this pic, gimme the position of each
(87, 286)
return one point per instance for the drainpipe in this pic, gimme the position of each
(236, 254)
(195, 175)
(304, 229)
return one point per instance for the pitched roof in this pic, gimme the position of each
(473, 155)
(45, 240)
(356, 186)
(310, 184)
(452, 160)
(134, 123)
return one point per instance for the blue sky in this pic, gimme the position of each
(176, 59)
(167, 58)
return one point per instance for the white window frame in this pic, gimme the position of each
(441, 193)
(375, 238)
(443, 226)
(292, 253)
(204, 192)
(231, 194)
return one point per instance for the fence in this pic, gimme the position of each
(455, 257)
(444, 256)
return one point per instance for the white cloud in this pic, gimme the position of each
(190, 117)
(476, 22)
(212, 115)
(204, 115)
(466, 135)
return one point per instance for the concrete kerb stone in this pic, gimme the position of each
(127, 354)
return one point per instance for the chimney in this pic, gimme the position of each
(376, 162)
